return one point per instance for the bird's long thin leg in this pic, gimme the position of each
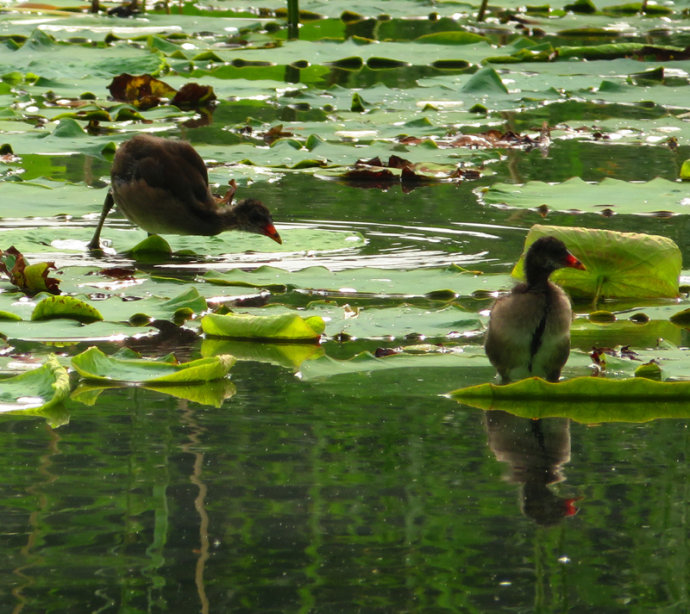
(95, 242)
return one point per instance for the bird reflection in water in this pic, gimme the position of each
(535, 451)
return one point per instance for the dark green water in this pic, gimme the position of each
(302, 498)
(370, 494)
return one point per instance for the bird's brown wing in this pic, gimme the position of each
(173, 166)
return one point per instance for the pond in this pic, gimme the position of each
(369, 493)
(339, 476)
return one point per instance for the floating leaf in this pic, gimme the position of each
(682, 318)
(35, 390)
(153, 245)
(29, 278)
(451, 38)
(650, 370)
(655, 196)
(584, 399)
(142, 91)
(366, 280)
(618, 264)
(93, 364)
(193, 95)
(685, 170)
(283, 327)
(485, 81)
(65, 307)
(181, 306)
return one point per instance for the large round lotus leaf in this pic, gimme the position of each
(618, 264)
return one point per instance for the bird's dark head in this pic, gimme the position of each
(546, 255)
(252, 215)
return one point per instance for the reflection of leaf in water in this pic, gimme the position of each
(288, 355)
(211, 393)
(584, 399)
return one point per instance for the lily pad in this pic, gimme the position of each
(618, 264)
(36, 390)
(610, 195)
(93, 364)
(282, 327)
(65, 307)
(366, 280)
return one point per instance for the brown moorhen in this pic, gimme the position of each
(529, 329)
(162, 186)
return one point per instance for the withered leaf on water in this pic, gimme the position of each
(29, 278)
(145, 92)
(193, 95)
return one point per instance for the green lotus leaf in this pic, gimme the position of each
(682, 318)
(92, 364)
(685, 170)
(584, 399)
(585, 335)
(151, 245)
(8, 315)
(369, 280)
(485, 81)
(65, 307)
(619, 264)
(36, 390)
(655, 196)
(189, 301)
(451, 38)
(283, 327)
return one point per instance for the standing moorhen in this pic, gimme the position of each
(162, 186)
(529, 329)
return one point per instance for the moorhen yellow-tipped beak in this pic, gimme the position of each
(271, 232)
